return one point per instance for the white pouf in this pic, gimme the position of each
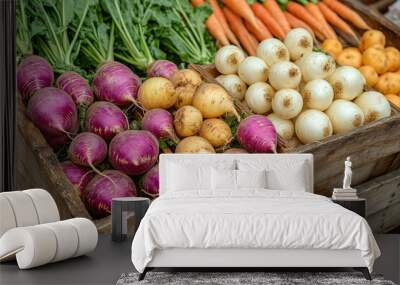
(33, 246)
(31, 232)
(67, 240)
(37, 245)
(23, 208)
(7, 218)
(87, 235)
(45, 205)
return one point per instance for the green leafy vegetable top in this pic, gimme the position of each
(52, 31)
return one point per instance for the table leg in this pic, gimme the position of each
(116, 221)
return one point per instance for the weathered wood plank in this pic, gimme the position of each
(360, 175)
(37, 166)
(381, 4)
(383, 165)
(395, 163)
(103, 225)
(381, 192)
(365, 145)
(385, 220)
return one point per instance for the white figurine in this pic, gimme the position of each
(347, 174)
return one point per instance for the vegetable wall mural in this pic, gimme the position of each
(111, 84)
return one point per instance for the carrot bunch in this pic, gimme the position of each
(245, 25)
(322, 16)
(235, 23)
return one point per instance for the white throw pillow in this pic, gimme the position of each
(183, 177)
(292, 178)
(223, 179)
(251, 178)
(282, 174)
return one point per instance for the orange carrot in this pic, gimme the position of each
(196, 3)
(262, 33)
(242, 9)
(216, 30)
(335, 20)
(253, 40)
(263, 14)
(221, 19)
(347, 13)
(300, 12)
(240, 31)
(314, 11)
(276, 12)
(297, 23)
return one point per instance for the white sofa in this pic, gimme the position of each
(31, 231)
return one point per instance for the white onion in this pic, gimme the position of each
(345, 116)
(347, 82)
(299, 42)
(317, 94)
(283, 75)
(312, 126)
(305, 108)
(374, 106)
(228, 58)
(284, 128)
(233, 84)
(316, 65)
(259, 97)
(272, 51)
(287, 103)
(252, 70)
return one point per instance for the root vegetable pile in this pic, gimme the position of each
(302, 92)
(108, 101)
(377, 62)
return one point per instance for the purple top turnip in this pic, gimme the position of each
(77, 87)
(106, 120)
(103, 188)
(116, 83)
(87, 149)
(78, 176)
(133, 152)
(257, 134)
(160, 123)
(33, 73)
(150, 182)
(53, 112)
(162, 68)
(58, 141)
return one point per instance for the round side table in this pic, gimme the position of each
(120, 207)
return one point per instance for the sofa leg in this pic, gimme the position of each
(364, 271)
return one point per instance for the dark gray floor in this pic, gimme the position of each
(110, 260)
(103, 266)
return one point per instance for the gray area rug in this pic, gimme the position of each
(243, 278)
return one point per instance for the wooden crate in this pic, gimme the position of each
(383, 201)
(380, 6)
(374, 148)
(37, 166)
